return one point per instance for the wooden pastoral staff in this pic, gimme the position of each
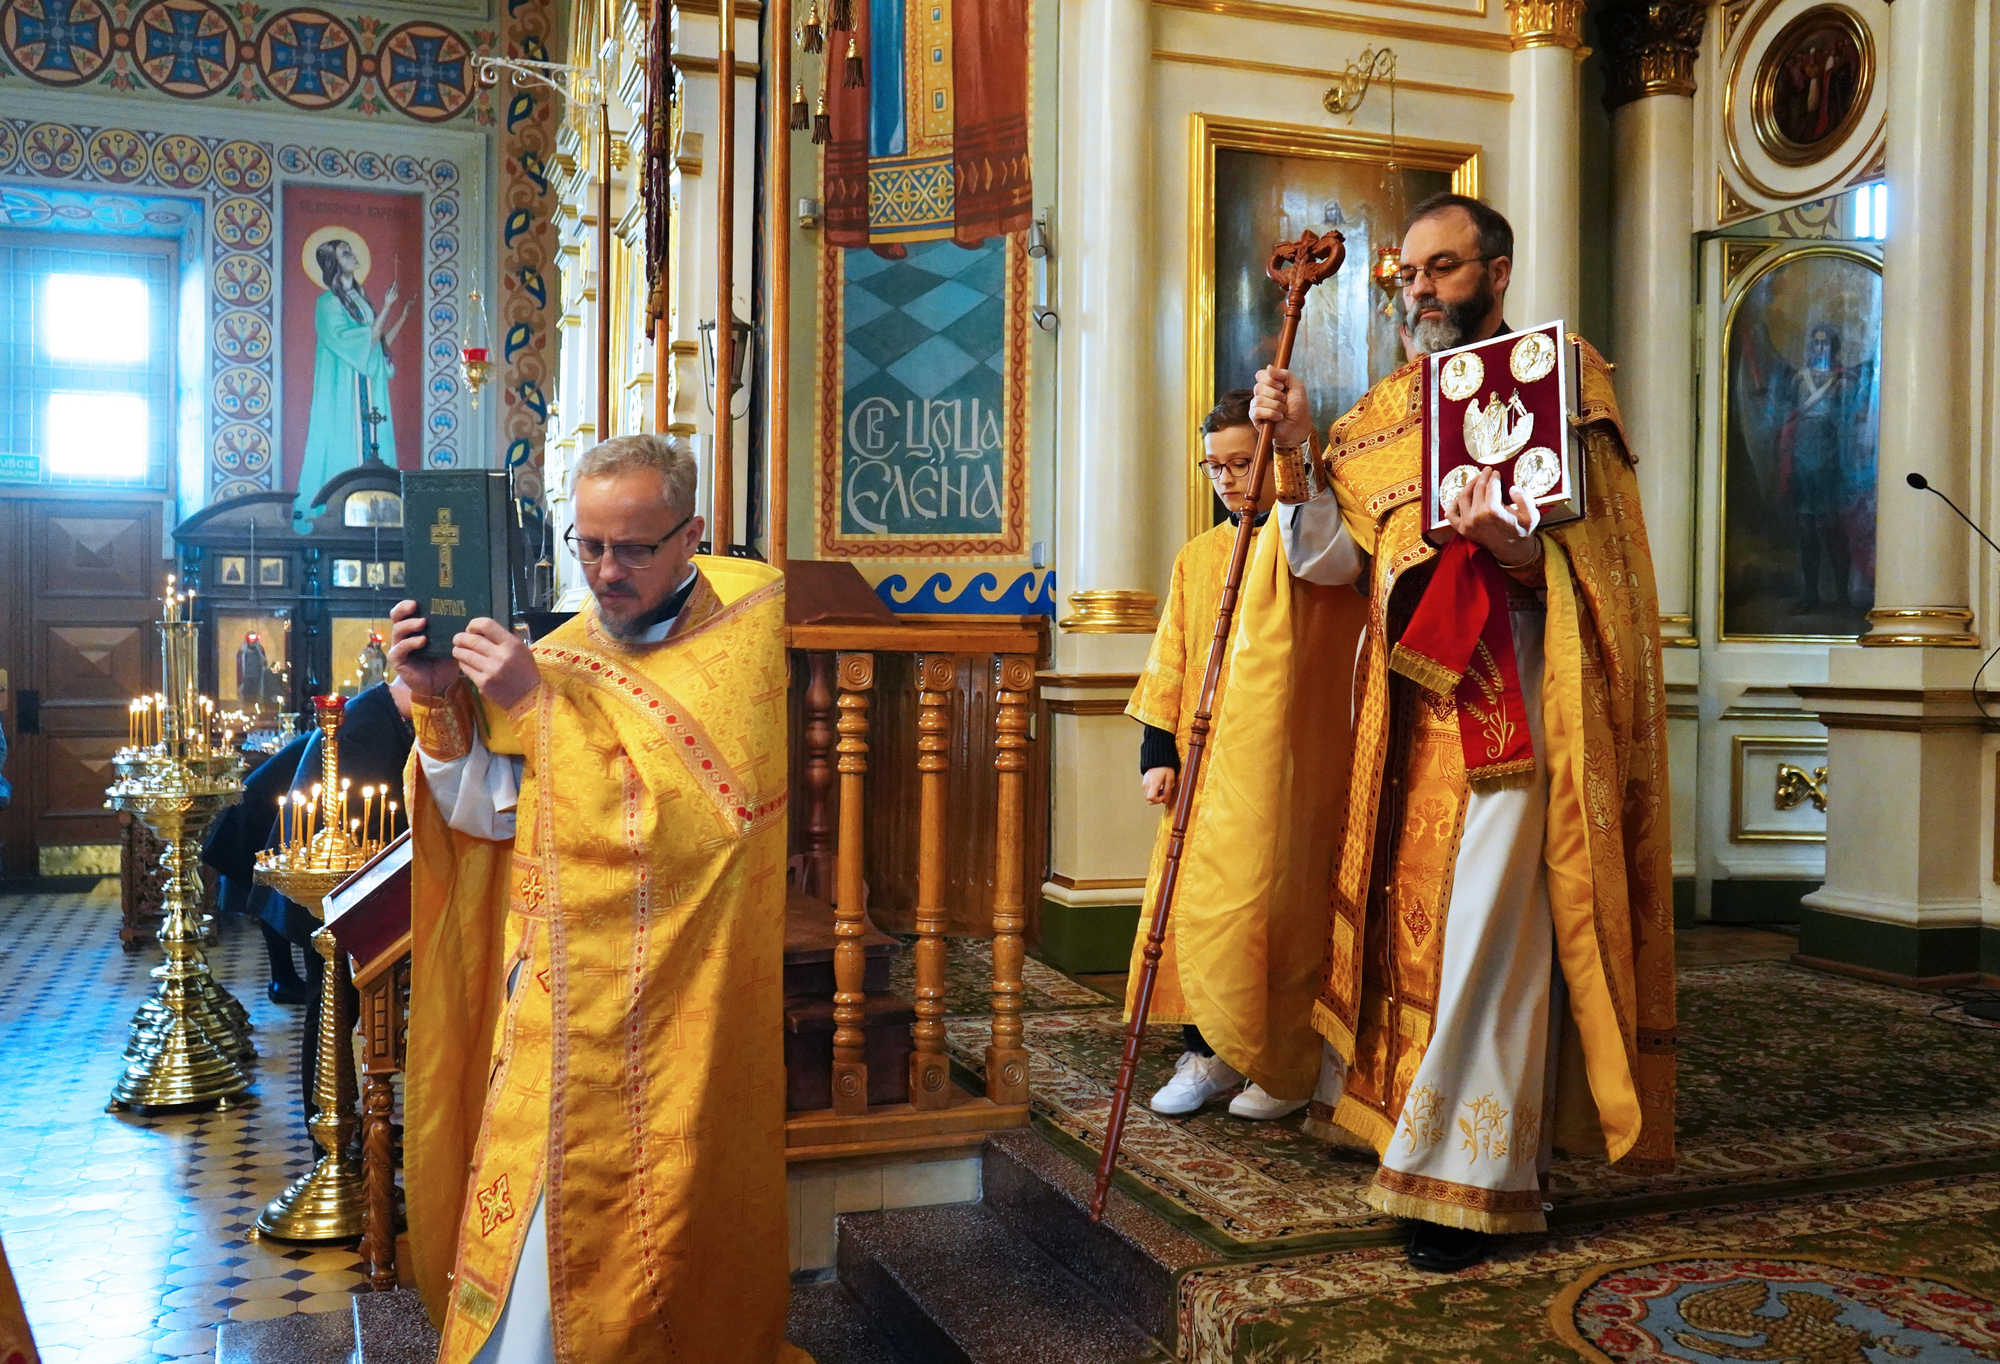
(1295, 267)
(369, 916)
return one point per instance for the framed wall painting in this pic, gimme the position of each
(1813, 81)
(1801, 404)
(1256, 184)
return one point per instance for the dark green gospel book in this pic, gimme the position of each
(457, 551)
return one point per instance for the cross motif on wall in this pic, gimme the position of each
(57, 35)
(187, 45)
(427, 69)
(307, 60)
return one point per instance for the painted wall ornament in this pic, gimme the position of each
(185, 48)
(57, 42)
(198, 49)
(310, 59)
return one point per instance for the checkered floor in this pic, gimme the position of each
(130, 1236)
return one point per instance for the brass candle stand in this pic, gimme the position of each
(321, 844)
(175, 774)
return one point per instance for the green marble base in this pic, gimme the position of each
(1908, 954)
(1082, 939)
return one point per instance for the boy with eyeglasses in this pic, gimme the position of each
(1164, 704)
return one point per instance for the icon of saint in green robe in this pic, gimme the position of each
(350, 365)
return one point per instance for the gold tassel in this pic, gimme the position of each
(822, 125)
(840, 15)
(855, 78)
(812, 38)
(801, 111)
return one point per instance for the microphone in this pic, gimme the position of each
(1922, 484)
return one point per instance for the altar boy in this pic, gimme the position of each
(1236, 976)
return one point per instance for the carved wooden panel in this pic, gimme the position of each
(98, 556)
(93, 662)
(77, 769)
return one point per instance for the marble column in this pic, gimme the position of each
(1649, 49)
(1543, 152)
(1921, 581)
(1108, 559)
(1904, 871)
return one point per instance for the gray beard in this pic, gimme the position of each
(1455, 326)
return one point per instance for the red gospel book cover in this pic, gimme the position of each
(1505, 403)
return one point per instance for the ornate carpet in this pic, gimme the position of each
(1790, 1081)
(1905, 1272)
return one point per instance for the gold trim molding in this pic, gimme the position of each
(1683, 636)
(77, 859)
(1112, 611)
(1892, 638)
(1318, 74)
(1650, 48)
(1298, 16)
(1096, 882)
(1545, 23)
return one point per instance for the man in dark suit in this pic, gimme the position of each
(375, 738)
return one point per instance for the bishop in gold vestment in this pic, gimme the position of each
(596, 1086)
(1499, 973)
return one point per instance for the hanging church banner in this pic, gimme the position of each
(923, 352)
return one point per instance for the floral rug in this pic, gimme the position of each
(1790, 1080)
(1905, 1272)
(968, 981)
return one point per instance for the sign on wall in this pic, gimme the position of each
(923, 401)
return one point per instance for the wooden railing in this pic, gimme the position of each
(959, 691)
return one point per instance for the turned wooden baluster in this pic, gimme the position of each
(930, 1070)
(382, 1045)
(850, 917)
(1006, 1058)
(817, 872)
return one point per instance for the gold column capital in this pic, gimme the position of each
(1545, 23)
(1112, 612)
(1649, 48)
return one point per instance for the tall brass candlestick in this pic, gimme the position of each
(325, 1203)
(190, 1036)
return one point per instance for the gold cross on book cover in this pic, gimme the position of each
(457, 548)
(1505, 403)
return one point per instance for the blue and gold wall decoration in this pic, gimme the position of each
(197, 49)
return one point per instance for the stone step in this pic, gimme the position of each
(1131, 1259)
(380, 1328)
(958, 1285)
(828, 1324)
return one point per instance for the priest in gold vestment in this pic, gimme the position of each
(596, 1091)
(1499, 976)
(1240, 962)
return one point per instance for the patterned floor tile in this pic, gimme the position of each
(129, 1234)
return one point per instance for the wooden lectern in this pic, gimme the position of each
(369, 916)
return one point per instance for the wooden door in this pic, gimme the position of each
(80, 593)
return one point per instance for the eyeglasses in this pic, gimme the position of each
(1235, 468)
(628, 556)
(1440, 269)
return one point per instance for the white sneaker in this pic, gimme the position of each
(1197, 1079)
(1254, 1104)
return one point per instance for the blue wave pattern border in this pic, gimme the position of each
(1028, 592)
